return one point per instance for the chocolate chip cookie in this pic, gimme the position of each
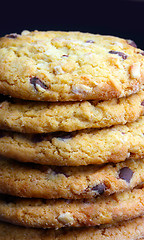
(69, 66)
(90, 146)
(72, 213)
(127, 230)
(38, 181)
(41, 117)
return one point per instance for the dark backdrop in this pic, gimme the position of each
(120, 18)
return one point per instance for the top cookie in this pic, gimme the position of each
(69, 66)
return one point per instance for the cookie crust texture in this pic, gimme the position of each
(72, 213)
(42, 117)
(90, 146)
(38, 181)
(127, 230)
(69, 66)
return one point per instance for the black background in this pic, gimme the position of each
(119, 18)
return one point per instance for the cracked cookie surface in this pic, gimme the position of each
(90, 146)
(69, 66)
(38, 181)
(72, 213)
(40, 117)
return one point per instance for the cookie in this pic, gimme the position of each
(90, 146)
(69, 66)
(40, 117)
(60, 213)
(127, 230)
(41, 181)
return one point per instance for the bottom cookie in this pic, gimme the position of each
(128, 230)
(41, 213)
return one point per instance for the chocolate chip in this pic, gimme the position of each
(126, 174)
(132, 43)
(142, 103)
(100, 188)
(121, 54)
(65, 55)
(90, 41)
(36, 81)
(12, 35)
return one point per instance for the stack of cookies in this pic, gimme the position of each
(72, 137)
